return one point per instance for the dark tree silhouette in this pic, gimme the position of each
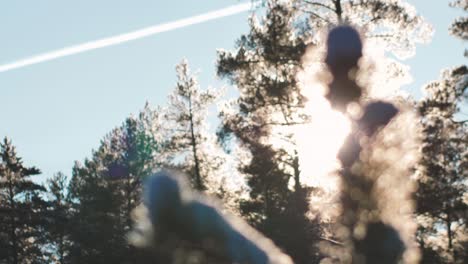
(58, 216)
(105, 190)
(21, 210)
(263, 68)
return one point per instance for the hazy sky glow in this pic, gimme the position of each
(57, 111)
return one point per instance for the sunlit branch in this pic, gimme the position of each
(316, 15)
(289, 123)
(381, 36)
(321, 5)
(374, 19)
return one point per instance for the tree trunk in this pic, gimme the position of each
(297, 173)
(198, 181)
(128, 220)
(450, 235)
(339, 11)
(61, 250)
(14, 242)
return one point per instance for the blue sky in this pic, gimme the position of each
(57, 111)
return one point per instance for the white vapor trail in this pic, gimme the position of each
(122, 38)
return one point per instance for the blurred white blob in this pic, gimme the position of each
(319, 139)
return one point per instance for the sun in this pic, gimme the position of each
(316, 142)
(319, 141)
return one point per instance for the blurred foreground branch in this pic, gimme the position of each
(174, 209)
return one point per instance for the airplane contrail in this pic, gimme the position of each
(122, 38)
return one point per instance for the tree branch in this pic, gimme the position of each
(461, 121)
(321, 5)
(334, 242)
(317, 16)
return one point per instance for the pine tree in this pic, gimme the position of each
(394, 24)
(133, 151)
(442, 172)
(443, 169)
(21, 208)
(96, 227)
(270, 101)
(58, 215)
(107, 188)
(391, 29)
(376, 210)
(185, 119)
(263, 68)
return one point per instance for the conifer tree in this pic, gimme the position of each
(263, 68)
(21, 208)
(392, 28)
(185, 119)
(443, 168)
(96, 228)
(375, 191)
(133, 158)
(394, 24)
(58, 215)
(442, 172)
(107, 187)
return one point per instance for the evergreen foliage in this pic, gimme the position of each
(264, 68)
(21, 210)
(443, 168)
(59, 216)
(104, 191)
(186, 123)
(442, 171)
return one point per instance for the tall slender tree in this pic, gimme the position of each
(133, 158)
(58, 216)
(442, 172)
(96, 228)
(263, 69)
(186, 117)
(443, 169)
(21, 208)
